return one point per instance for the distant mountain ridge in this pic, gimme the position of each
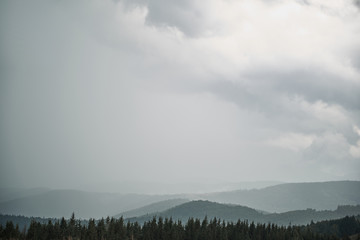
(201, 209)
(153, 208)
(293, 196)
(7, 194)
(278, 198)
(59, 203)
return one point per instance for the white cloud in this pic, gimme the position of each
(293, 141)
(355, 149)
(324, 112)
(356, 130)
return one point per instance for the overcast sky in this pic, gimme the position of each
(105, 91)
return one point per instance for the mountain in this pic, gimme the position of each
(7, 194)
(278, 198)
(293, 196)
(152, 208)
(59, 203)
(201, 209)
(301, 217)
(165, 187)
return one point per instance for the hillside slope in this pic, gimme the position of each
(293, 196)
(59, 203)
(201, 209)
(279, 198)
(153, 208)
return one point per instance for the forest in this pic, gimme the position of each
(192, 229)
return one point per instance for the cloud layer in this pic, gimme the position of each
(178, 90)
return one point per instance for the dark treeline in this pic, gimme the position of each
(340, 227)
(162, 229)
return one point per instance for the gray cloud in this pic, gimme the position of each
(183, 15)
(180, 14)
(150, 90)
(313, 85)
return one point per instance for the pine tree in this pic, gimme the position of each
(91, 231)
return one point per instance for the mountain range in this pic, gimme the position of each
(153, 208)
(281, 198)
(293, 196)
(201, 209)
(62, 203)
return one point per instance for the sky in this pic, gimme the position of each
(109, 92)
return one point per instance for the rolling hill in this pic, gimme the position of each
(153, 208)
(7, 194)
(302, 217)
(293, 196)
(59, 203)
(201, 209)
(278, 198)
